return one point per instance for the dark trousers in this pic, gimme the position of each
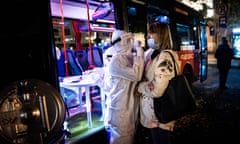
(160, 136)
(223, 73)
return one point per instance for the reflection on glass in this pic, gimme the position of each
(236, 45)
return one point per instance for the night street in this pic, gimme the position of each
(217, 119)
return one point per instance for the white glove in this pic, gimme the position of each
(141, 87)
(125, 38)
(137, 43)
(140, 51)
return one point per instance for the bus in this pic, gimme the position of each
(85, 26)
(187, 25)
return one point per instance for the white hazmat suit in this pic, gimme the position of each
(125, 71)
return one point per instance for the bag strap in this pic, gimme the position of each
(175, 70)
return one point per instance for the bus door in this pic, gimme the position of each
(203, 53)
(87, 26)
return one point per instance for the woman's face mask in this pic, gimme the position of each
(151, 43)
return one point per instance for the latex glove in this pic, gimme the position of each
(137, 43)
(126, 39)
(141, 87)
(140, 51)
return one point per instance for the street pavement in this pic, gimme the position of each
(217, 118)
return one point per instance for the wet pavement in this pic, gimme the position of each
(217, 118)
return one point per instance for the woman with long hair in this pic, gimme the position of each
(159, 69)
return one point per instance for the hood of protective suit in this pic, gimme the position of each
(124, 42)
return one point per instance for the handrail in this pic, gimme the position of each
(91, 65)
(64, 39)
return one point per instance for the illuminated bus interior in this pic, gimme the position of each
(82, 32)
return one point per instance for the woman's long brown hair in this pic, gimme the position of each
(163, 30)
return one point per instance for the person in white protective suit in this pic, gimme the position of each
(107, 56)
(125, 70)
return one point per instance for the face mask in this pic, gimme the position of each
(151, 43)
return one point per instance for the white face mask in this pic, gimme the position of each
(151, 43)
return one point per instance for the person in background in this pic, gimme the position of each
(125, 70)
(224, 55)
(159, 69)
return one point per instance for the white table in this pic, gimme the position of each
(85, 82)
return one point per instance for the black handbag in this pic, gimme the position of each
(177, 101)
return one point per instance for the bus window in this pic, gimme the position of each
(185, 37)
(137, 21)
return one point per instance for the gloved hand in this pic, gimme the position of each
(137, 43)
(141, 87)
(126, 39)
(140, 51)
